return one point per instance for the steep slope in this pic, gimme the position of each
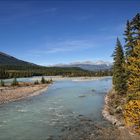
(6, 59)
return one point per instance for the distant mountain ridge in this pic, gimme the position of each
(6, 59)
(89, 65)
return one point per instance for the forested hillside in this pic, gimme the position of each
(12, 67)
(6, 59)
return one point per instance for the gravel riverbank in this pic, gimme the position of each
(8, 94)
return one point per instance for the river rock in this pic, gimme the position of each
(118, 109)
(110, 117)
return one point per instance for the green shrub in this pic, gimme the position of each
(43, 81)
(2, 84)
(36, 82)
(49, 81)
(15, 82)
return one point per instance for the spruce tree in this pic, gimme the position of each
(132, 35)
(136, 27)
(2, 84)
(134, 67)
(36, 82)
(15, 82)
(43, 81)
(129, 39)
(119, 80)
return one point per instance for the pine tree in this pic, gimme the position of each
(129, 39)
(136, 27)
(2, 84)
(132, 34)
(15, 82)
(134, 67)
(43, 81)
(36, 82)
(119, 80)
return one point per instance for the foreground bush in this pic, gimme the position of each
(132, 115)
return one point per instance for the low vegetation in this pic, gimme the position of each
(18, 84)
(15, 82)
(44, 81)
(2, 84)
(36, 82)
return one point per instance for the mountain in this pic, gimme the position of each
(89, 65)
(12, 67)
(6, 59)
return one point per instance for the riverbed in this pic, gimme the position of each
(68, 106)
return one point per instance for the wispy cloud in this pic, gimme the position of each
(65, 46)
(69, 50)
(14, 11)
(87, 44)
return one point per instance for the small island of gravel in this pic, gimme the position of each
(17, 91)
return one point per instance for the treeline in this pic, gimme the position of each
(11, 71)
(126, 69)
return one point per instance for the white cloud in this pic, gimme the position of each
(65, 46)
(98, 62)
(24, 10)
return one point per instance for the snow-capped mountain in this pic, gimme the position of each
(89, 65)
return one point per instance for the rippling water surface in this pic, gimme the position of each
(45, 116)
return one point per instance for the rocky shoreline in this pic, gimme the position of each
(125, 134)
(110, 117)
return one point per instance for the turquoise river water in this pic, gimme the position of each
(44, 116)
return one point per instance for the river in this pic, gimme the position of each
(65, 108)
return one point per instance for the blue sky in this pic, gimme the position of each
(62, 31)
